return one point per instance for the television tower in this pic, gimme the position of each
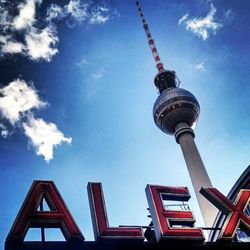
(176, 112)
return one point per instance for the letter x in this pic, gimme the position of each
(236, 217)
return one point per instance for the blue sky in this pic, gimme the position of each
(85, 109)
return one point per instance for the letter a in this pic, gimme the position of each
(30, 217)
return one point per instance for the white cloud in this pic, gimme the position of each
(228, 15)
(44, 137)
(77, 10)
(12, 47)
(23, 34)
(181, 20)
(54, 11)
(99, 15)
(202, 26)
(35, 43)
(200, 66)
(17, 103)
(97, 75)
(26, 16)
(4, 19)
(40, 44)
(4, 132)
(81, 63)
(16, 99)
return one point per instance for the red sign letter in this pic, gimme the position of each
(234, 211)
(58, 217)
(100, 219)
(167, 222)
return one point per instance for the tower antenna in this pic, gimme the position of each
(176, 112)
(164, 78)
(151, 42)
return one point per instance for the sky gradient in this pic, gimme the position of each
(76, 98)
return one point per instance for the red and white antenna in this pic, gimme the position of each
(159, 64)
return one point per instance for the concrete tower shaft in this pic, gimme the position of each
(184, 135)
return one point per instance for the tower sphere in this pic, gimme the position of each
(175, 105)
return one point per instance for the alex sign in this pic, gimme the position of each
(168, 224)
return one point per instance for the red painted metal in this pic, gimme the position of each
(164, 220)
(58, 217)
(100, 218)
(159, 64)
(168, 224)
(236, 218)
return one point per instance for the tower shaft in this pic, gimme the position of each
(185, 137)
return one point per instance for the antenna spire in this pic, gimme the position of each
(159, 64)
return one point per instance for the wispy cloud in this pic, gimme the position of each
(202, 27)
(228, 15)
(75, 10)
(44, 137)
(18, 101)
(99, 15)
(81, 63)
(78, 11)
(35, 36)
(99, 74)
(200, 66)
(4, 131)
(54, 11)
(183, 19)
